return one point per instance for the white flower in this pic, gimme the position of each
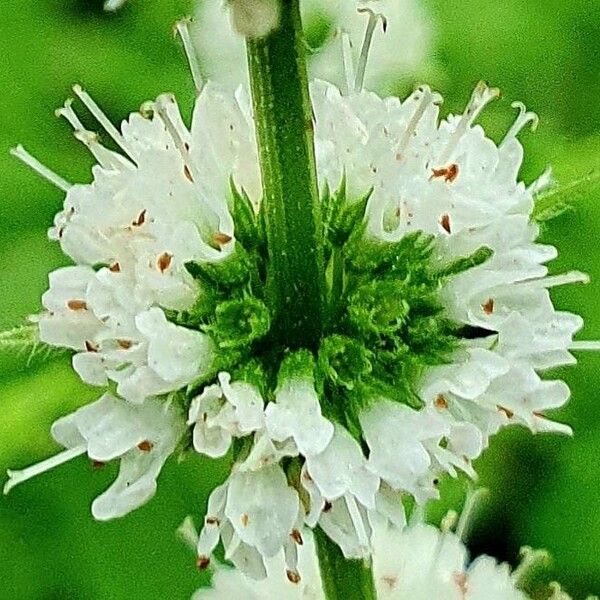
(132, 311)
(256, 514)
(417, 563)
(347, 488)
(408, 27)
(296, 414)
(141, 436)
(222, 412)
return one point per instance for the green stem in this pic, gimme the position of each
(290, 200)
(342, 578)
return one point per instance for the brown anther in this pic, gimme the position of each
(245, 519)
(124, 344)
(211, 521)
(141, 219)
(202, 562)
(90, 346)
(539, 414)
(327, 506)
(77, 304)
(61, 231)
(163, 262)
(441, 402)
(488, 306)
(297, 537)
(460, 579)
(307, 476)
(398, 212)
(436, 482)
(98, 464)
(399, 156)
(188, 173)
(186, 146)
(221, 238)
(449, 173)
(145, 446)
(509, 413)
(115, 268)
(293, 576)
(390, 581)
(445, 223)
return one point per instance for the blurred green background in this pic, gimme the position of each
(544, 490)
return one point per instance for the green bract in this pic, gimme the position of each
(384, 322)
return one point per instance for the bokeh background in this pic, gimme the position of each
(544, 490)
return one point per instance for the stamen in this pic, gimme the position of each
(33, 163)
(69, 114)
(105, 158)
(16, 477)
(103, 119)
(187, 533)
(347, 61)
(556, 280)
(220, 210)
(585, 345)
(521, 121)
(428, 97)
(531, 561)
(472, 502)
(357, 521)
(182, 29)
(481, 96)
(366, 46)
(543, 182)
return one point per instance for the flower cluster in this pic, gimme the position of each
(419, 562)
(439, 319)
(329, 27)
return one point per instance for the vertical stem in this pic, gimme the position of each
(342, 578)
(290, 203)
(292, 214)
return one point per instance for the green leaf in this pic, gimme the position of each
(464, 263)
(562, 198)
(25, 340)
(233, 271)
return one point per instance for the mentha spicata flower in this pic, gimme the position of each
(330, 27)
(438, 318)
(419, 562)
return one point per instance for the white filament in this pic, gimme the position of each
(33, 163)
(182, 28)
(16, 477)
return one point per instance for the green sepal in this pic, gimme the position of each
(464, 263)
(248, 229)
(344, 216)
(299, 364)
(378, 308)
(343, 361)
(198, 314)
(252, 372)
(366, 255)
(240, 322)
(222, 361)
(233, 271)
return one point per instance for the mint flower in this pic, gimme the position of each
(427, 335)
(330, 27)
(419, 562)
